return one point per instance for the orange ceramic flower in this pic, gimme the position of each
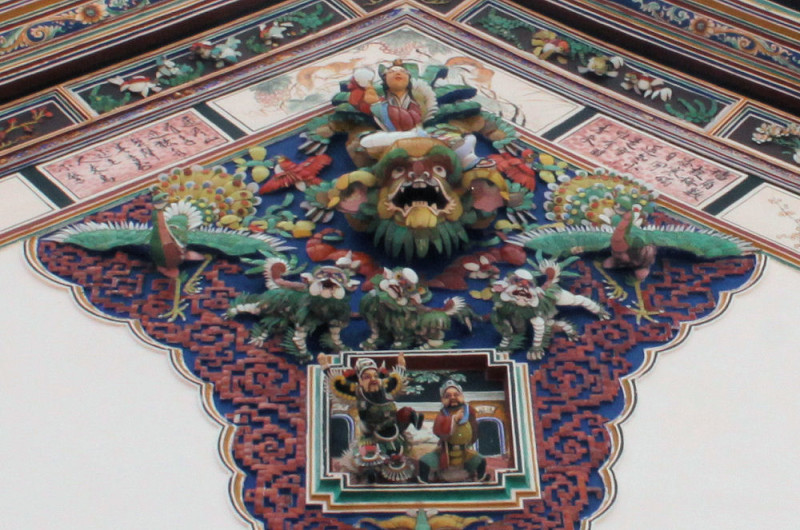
(91, 13)
(702, 26)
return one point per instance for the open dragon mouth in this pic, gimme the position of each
(425, 193)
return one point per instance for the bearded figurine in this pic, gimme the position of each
(521, 305)
(380, 449)
(456, 426)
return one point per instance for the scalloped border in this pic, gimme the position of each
(224, 446)
(206, 390)
(628, 384)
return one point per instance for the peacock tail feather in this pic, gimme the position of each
(221, 198)
(236, 243)
(589, 199)
(703, 243)
(565, 242)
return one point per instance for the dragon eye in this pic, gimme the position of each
(398, 172)
(439, 171)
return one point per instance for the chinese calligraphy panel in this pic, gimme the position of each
(138, 153)
(676, 172)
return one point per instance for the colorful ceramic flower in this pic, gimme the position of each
(91, 13)
(702, 26)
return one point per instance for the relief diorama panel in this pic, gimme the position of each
(408, 312)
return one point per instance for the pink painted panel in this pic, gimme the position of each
(156, 147)
(673, 171)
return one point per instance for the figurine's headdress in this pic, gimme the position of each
(447, 384)
(397, 63)
(365, 364)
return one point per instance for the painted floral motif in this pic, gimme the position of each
(295, 24)
(14, 130)
(788, 136)
(597, 64)
(183, 66)
(698, 111)
(736, 38)
(702, 26)
(786, 211)
(91, 13)
(66, 22)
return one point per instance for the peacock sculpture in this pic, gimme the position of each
(606, 212)
(192, 208)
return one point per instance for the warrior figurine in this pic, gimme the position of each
(383, 445)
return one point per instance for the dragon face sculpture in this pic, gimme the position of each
(422, 181)
(416, 180)
(417, 197)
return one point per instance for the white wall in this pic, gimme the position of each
(713, 440)
(99, 431)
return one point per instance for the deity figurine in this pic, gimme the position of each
(381, 450)
(456, 426)
(402, 111)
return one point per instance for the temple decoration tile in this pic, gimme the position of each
(29, 203)
(766, 132)
(686, 177)
(621, 72)
(285, 97)
(413, 254)
(206, 54)
(133, 156)
(771, 213)
(34, 118)
(728, 42)
(490, 383)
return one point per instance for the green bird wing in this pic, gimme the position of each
(703, 243)
(104, 236)
(235, 243)
(564, 242)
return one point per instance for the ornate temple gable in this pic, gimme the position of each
(410, 248)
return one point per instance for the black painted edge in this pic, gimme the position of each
(219, 121)
(570, 123)
(740, 190)
(46, 187)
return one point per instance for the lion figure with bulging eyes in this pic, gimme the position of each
(320, 302)
(521, 305)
